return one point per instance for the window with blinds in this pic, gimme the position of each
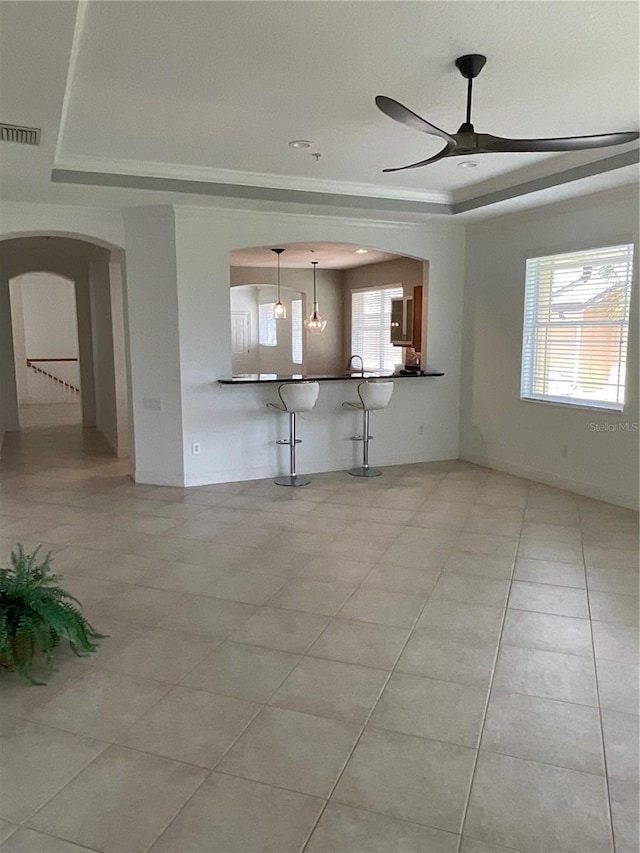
(576, 324)
(296, 331)
(371, 327)
(267, 328)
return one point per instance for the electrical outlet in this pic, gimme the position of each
(195, 448)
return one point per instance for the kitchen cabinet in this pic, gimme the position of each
(406, 320)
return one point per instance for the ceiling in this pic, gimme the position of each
(187, 100)
(330, 256)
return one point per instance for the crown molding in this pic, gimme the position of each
(265, 180)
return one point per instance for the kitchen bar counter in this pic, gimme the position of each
(263, 378)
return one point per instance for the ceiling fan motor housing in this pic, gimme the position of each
(470, 65)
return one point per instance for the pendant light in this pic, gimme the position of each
(279, 310)
(315, 325)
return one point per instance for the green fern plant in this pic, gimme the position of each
(36, 614)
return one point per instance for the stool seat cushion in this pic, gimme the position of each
(375, 395)
(299, 396)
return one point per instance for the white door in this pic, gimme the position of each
(240, 340)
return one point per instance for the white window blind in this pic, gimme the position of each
(371, 327)
(296, 331)
(576, 324)
(267, 328)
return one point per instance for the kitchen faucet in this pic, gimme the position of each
(349, 365)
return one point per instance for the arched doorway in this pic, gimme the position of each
(97, 275)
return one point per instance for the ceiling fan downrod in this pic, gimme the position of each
(469, 66)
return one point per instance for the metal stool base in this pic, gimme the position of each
(363, 471)
(292, 480)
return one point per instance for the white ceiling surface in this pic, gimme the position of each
(226, 85)
(215, 90)
(334, 256)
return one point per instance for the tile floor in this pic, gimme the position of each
(443, 659)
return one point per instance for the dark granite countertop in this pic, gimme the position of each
(262, 378)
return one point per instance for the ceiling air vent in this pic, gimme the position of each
(21, 135)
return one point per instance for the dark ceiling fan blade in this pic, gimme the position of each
(446, 152)
(567, 143)
(400, 113)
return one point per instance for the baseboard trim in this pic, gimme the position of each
(589, 490)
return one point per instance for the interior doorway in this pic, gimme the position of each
(45, 341)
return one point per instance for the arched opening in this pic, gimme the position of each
(91, 274)
(44, 324)
(374, 303)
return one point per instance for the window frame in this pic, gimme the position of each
(385, 330)
(617, 242)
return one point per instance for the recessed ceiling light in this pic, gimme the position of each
(467, 164)
(300, 143)
(362, 251)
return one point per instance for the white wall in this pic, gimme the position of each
(232, 425)
(527, 438)
(102, 338)
(43, 311)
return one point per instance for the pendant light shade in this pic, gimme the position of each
(315, 325)
(279, 310)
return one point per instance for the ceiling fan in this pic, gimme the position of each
(466, 141)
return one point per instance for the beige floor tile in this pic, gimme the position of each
(538, 807)
(343, 829)
(621, 745)
(460, 622)
(286, 564)
(329, 688)
(432, 709)
(550, 675)
(544, 730)
(20, 698)
(310, 596)
(404, 579)
(246, 672)
(620, 581)
(191, 726)
(471, 589)
(296, 751)
(546, 571)
(101, 704)
(360, 642)
(615, 642)
(624, 811)
(384, 608)
(470, 845)
(334, 569)
(556, 552)
(618, 686)
(284, 630)
(546, 631)
(616, 559)
(140, 605)
(36, 762)
(464, 662)
(30, 841)
(280, 821)
(102, 807)
(482, 565)
(186, 577)
(609, 607)
(6, 829)
(211, 617)
(483, 543)
(446, 515)
(409, 778)
(544, 598)
(157, 654)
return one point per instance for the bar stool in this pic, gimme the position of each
(373, 396)
(295, 397)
